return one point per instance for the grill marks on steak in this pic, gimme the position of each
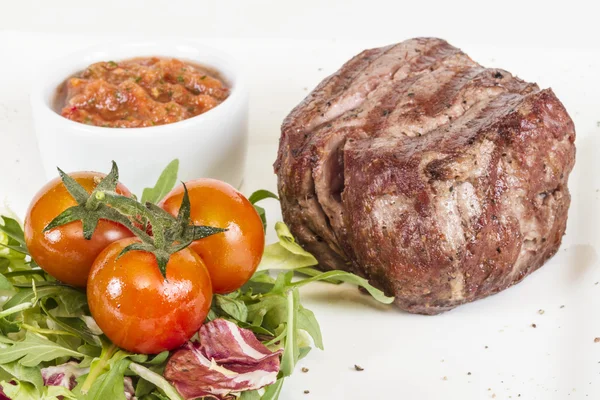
(439, 180)
(349, 88)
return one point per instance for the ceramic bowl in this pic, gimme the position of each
(212, 144)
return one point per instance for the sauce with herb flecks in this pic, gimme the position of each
(140, 92)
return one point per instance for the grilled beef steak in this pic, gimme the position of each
(439, 180)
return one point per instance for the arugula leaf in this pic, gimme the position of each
(306, 320)
(233, 307)
(28, 294)
(72, 303)
(283, 281)
(89, 351)
(21, 373)
(144, 387)
(110, 385)
(290, 350)
(165, 183)
(273, 308)
(314, 272)
(20, 391)
(91, 324)
(35, 349)
(260, 283)
(19, 271)
(76, 326)
(18, 249)
(13, 230)
(155, 396)
(236, 310)
(110, 358)
(138, 358)
(26, 391)
(158, 359)
(9, 312)
(273, 391)
(285, 254)
(257, 329)
(348, 278)
(4, 376)
(278, 257)
(5, 285)
(66, 340)
(12, 242)
(30, 284)
(7, 327)
(99, 365)
(261, 194)
(211, 315)
(160, 382)
(250, 395)
(262, 214)
(286, 239)
(303, 352)
(258, 196)
(58, 393)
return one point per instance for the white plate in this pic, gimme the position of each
(404, 356)
(412, 357)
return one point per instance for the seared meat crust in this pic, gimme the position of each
(439, 180)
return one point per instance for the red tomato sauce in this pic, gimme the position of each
(139, 92)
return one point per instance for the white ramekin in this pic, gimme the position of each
(212, 144)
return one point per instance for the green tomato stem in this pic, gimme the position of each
(132, 208)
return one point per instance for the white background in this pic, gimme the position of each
(287, 48)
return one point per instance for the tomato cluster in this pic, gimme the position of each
(136, 306)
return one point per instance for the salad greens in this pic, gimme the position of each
(286, 253)
(258, 196)
(47, 334)
(166, 182)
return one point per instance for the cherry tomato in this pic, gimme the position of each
(231, 257)
(63, 252)
(140, 311)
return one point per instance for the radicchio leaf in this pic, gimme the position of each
(129, 389)
(64, 375)
(227, 359)
(3, 396)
